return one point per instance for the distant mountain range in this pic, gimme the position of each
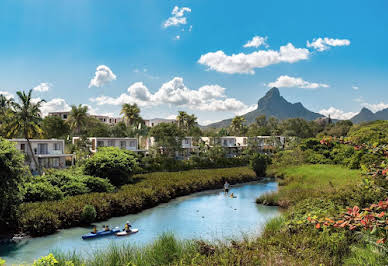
(274, 105)
(366, 115)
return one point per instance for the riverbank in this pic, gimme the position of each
(149, 190)
(325, 191)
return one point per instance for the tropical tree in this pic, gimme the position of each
(26, 118)
(237, 125)
(5, 108)
(78, 118)
(131, 113)
(186, 122)
(168, 137)
(54, 127)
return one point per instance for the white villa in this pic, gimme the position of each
(268, 142)
(187, 146)
(130, 144)
(49, 152)
(157, 121)
(103, 118)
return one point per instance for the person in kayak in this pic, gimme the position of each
(94, 230)
(106, 228)
(127, 227)
(226, 187)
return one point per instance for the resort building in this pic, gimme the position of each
(187, 147)
(103, 118)
(48, 152)
(130, 144)
(268, 143)
(156, 121)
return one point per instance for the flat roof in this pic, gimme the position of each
(37, 140)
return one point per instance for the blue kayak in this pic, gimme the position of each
(101, 233)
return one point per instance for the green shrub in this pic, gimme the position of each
(88, 214)
(115, 164)
(75, 188)
(96, 184)
(259, 163)
(39, 221)
(38, 190)
(13, 174)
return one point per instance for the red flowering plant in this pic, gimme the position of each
(373, 218)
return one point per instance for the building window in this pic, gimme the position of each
(42, 148)
(57, 146)
(23, 147)
(187, 141)
(225, 142)
(123, 144)
(132, 143)
(245, 141)
(64, 116)
(111, 143)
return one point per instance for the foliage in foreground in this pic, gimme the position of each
(12, 175)
(40, 218)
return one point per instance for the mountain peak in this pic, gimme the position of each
(274, 92)
(366, 110)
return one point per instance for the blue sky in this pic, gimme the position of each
(190, 55)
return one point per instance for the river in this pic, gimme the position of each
(208, 215)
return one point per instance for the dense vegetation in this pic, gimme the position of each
(12, 176)
(114, 164)
(148, 190)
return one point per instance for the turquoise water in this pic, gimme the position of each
(207, 215)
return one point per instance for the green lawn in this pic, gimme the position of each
(311, 181)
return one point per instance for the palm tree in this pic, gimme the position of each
(5, 108)
(181, 119)
(78, 118)
(185, 121)
(131, 113)
(238, 124)
(26, 118)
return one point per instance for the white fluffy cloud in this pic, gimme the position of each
(43, 87)
(7, 94)
(256, 42)
(322, 44)
(337, 113)
(178, 17)
(54, 105)
(375, 107)
(175, 92)
(355, 88)
(291, 82)
(102, 76)
(246, 63)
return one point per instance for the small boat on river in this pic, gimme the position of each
(127, 233)
(101, 233)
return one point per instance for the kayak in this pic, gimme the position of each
(125, 233)
(101, 233)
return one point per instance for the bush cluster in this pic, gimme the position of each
(57, 184)
(313, 152)
(41, 218)
(259, 163)
(160, 163)
(116, 165)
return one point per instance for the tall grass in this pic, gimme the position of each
(309, 181)
(165, 250)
